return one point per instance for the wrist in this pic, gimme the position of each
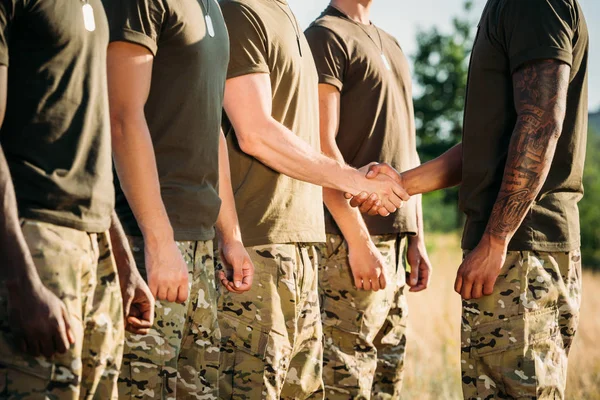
(229, 236)
(359, 240)
(495, 242)
(157, 235)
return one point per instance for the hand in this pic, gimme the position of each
(370, 204)
(167, 271)
(239, 270)
(368, 266)
(138, 304)
(40, 320)
(479, 270)
(420, 266)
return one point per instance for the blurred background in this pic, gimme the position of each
(437, 36)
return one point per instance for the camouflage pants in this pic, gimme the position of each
(515, 342)
(364, 331)
(271, 346)
(179, 358)
(78, 268)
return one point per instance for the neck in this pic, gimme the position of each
(357, 10)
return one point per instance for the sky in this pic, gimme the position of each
(402, 18)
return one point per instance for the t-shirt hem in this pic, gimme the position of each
(538, 54)
(127, 35)
(247, 70)
(545, 247)
(284, 237)
(99, 226)
(4, 59)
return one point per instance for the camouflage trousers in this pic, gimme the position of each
(271, 336)
(364, 332)
(79, 269)
(515, 342)
(179, 358)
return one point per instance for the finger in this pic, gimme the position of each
(488, 287)
(367, 284)
(413, 278)
(34, 347)
(458, 283)
(390, 206)
(162, 293)
(61, 343)
(127, 301)
(395, 200)
(154, 289)
(382, 281)
(477, 290)
(359, 199)
(248, 274)
(139, 323)
(400, 192)
(372, 201)
(135, 331)
(68, 327)
(383, 168)
(467, 289)
(238, 275)
(384, 212)
(375, 284)
(376, 209)
(47, 345)
(182, 293)
(171, 295)
(348, 196)
(358, 282)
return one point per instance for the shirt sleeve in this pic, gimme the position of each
(330, 55)
(135, 21)
(248, 40)
(7, 13)
(537, 29)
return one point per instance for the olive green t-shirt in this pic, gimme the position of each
(184, 107)
(511, 33)
(265, 38)
(376, 110)
(56, 131)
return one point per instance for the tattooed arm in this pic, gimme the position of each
(540, 95)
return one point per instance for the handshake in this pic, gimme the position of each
(384, 192)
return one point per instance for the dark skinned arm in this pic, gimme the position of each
(540, 96)
(45, 328)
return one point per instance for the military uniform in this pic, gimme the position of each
(365, 332)
(271, 336)
(183, 112)
(515, 342)
(56, 136)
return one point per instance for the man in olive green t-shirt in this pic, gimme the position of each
(520, 166)
(67, 277)
(271, 335)
(366, 115)
(167, 63)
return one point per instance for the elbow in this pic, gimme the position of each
(252, 138)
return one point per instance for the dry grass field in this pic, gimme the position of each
(433, 372)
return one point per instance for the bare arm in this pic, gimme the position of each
(540, 95)
(442, 172)
(239, 268)
(366, 261)
(45, 327)
(248, 105)
(540, 91)
(129, 79)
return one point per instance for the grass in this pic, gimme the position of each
(433, 356)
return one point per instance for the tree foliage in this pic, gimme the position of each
(440, 70)
(589, 211)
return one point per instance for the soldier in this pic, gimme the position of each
(62, 298)
(272, 333)
(166, 67)
(366, 114)
(520, 167)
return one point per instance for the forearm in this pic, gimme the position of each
(439, 173)
(540, 100)
(228, 227)
(16, 264)
(136, 167)
(279, 148)
(122, 252)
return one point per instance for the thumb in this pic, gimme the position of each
(238, 273)
(413, 278)
(374, 170)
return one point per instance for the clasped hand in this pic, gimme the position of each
(385, 193)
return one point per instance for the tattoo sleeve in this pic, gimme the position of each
(540, 96)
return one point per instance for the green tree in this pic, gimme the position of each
(588, 208)
(440, 70)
